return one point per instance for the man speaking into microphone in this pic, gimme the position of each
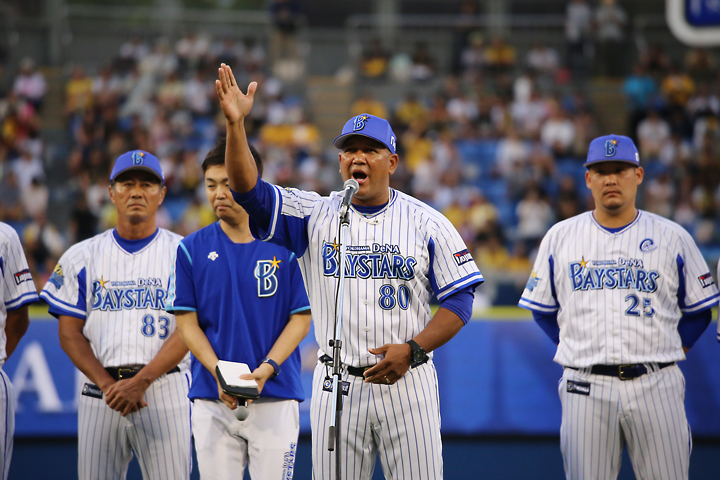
(400, 253)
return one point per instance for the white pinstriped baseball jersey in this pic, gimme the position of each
(397, 258)
(119, 288)
(120, 295)
(18, 287)
(619, 296)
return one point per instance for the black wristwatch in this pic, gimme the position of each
(273, 364)
(417, 353)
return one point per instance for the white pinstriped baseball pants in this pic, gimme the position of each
(7, 423)
(401, 422)
(646, 413)
(159, 434)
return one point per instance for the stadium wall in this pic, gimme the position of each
(498, 389)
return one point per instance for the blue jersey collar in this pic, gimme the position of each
(374, 210)
(618, 229)
(134, 246)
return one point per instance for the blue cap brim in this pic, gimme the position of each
(341, 139)
(139, 167)
(621, 160)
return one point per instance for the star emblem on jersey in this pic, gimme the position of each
(213, 256)
(335, 246)
(275, 262)
(583, 262)
(103, 282)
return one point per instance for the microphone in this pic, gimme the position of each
(350, 187)
(241, 411)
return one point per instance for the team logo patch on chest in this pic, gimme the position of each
(213, 256)
(265, 274)
(368, 261)
(648, 245)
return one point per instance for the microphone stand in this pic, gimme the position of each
(336, 343)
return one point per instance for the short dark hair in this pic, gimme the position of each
(216, 156)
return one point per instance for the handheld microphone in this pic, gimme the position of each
(241, 411)
(350, 187)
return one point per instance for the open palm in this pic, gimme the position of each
(235, 105)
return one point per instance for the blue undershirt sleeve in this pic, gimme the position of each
(549, 323)
(692, 325)
(461, 303)
(258, 203)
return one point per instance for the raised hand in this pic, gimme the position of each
(235, 105)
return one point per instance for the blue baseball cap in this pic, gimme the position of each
(369, 126)
(137, 160)
(613, 148)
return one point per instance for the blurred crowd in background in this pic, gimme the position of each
(497, 146)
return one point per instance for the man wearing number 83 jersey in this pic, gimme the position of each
(109, 294)
(624, 293)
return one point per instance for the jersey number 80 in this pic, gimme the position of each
(388, 299)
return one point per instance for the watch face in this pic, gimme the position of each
(418, 355)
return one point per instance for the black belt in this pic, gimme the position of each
(129, 371)
(359, 371)
(623, 372)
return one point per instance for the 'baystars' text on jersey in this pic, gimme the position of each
(619, 295)
(121, 295)
(396, 259)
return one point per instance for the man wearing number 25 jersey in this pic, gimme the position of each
(624, 294)
(109, 294)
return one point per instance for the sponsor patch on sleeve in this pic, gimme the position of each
(57, 278)
(462, 257)
(22, 276)
(706, 280)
